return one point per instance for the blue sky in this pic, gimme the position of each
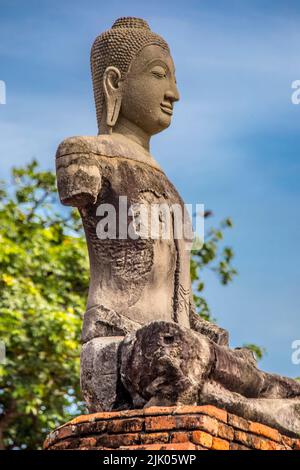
(234, 143)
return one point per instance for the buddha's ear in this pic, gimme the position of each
(113, 94)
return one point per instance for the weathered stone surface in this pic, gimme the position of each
(163, 364)
(101, 322)
(281, 414)
(207, 328)
(99, 374)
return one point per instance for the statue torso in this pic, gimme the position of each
(139, 280)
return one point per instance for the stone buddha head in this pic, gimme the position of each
(133, 79)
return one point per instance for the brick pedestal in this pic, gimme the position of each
(171, 428)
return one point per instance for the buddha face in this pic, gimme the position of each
(149, 90)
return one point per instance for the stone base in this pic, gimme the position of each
(167, 428)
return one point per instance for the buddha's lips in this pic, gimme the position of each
(166, 109)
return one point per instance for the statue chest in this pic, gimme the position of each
(136, 202)
(132, 243)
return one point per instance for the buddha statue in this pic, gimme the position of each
(140, 303)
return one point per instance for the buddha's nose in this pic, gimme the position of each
(172, 94)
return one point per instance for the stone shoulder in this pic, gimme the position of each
(105, 146)
(82, 145)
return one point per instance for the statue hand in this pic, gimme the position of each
(214, 332)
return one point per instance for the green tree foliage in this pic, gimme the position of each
(43, 286)
(43, 289)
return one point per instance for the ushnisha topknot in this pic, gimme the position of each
(130, 22)
(117, 47)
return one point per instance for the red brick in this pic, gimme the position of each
(167, 428)
(66, 444)
(138, 447)
(106, 415)
(202, 438)
(178, 437)
(66, 431)
(178, 446)
(202, 422)
(88, 442)
(238, 422)
(265, 444)
(181, 446)
(296, 445)
(160, 423)
(288, 441)
(225, 432)
(91, 417)
(159, 410)
(219, 444)
(243, 438)
(266, 431)
(94, 427)
(256, 442)
(119, 426)
(154, 438)
(118, 440)
(187, 410)
(209, 410)
(51, 438)
(130, 413)
(235, 446)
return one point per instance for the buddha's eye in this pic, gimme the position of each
(159, 71)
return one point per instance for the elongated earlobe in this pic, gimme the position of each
(113, 95)
(113, 111)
